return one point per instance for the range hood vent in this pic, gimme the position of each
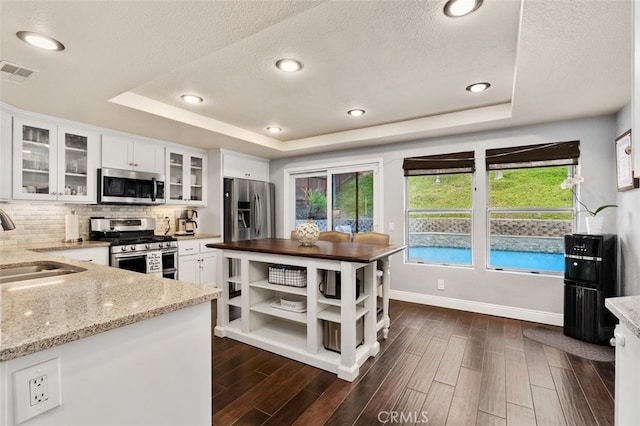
(14, 72)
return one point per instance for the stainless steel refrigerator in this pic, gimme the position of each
(249, 209)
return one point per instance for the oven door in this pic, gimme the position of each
(170, 264)
(136, 262)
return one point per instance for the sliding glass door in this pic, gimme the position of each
(311, 199)
(341, 198)
(352, 207)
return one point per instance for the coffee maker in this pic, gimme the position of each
(186, 223)
(191, 224)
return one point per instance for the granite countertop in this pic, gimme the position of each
(627, 310)
(66, 246)
(196, 236)
(39, 314)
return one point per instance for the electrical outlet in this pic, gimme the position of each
(36, 389)
(440, 284)
(392, 226)
(39, 390)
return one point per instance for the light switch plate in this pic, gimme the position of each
(25, 382)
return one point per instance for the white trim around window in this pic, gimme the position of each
(316, 169)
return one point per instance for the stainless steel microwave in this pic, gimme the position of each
(130, 187)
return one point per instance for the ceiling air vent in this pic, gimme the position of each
(15, 73)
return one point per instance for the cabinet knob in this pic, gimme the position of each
(136, 164)
(617, 340)
(60, 193)
(53, 192)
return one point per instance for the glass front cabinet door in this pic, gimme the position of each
(54, 163)
(176, 177)
(187, 177)
(77, 158)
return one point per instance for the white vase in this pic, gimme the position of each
(594, 224)
(308, 233)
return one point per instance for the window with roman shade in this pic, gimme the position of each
(439, 208)
(528, 212)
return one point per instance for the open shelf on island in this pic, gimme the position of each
(266, 307)
(279, 287)
(332, 313)
(236, 301)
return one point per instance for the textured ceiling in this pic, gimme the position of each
(405, 62)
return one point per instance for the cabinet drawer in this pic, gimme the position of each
(188, 247)
(97, 255)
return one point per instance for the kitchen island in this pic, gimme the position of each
(251, 309)
(128, 348)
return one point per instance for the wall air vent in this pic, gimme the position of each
(14, 72)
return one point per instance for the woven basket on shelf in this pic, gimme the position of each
(288, 275)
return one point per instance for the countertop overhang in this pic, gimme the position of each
(39, 314)
(627, 310)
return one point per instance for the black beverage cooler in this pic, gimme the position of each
(589, 278)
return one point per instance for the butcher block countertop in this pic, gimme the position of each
(347, 251)
(42, 313)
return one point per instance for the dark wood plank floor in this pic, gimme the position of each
(448, 367)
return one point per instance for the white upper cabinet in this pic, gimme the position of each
(186, 177)
(5, 155)
(244, 167)
(120, 152)
(54, 163)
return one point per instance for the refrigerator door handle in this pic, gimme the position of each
(257, 210)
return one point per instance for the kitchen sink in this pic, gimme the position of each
(34, 270)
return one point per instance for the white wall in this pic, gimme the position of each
(629, 201)
(522, 295)
(628, 214)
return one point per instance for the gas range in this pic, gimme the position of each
(134, 245)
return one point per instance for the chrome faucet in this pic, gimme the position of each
(6, 222)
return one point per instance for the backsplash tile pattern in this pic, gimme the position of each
(44, 222)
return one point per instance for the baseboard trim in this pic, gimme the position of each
(524, 314)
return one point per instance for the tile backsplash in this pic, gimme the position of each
(44, 222)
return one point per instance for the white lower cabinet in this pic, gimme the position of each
(627, 411)
(97, 255)
(197, 262)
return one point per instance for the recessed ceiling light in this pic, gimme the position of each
(40, 40)
(457, 8)
(356, 112)
(274, 129)
(191, 99)
(478, 87)
(289, 65)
